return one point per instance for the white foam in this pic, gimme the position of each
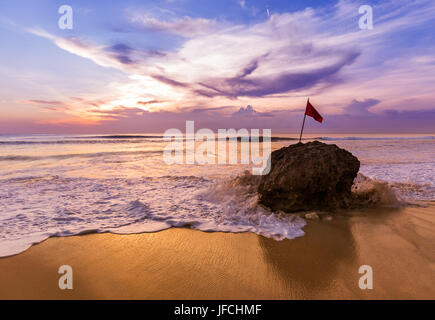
(37, 208)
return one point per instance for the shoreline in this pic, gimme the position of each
(181, 263)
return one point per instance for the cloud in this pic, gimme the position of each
(184, 26)
(273, 64)
(121, 52)
(97, 53)
(169, 81)
(145, 103)
(35, 101)
(361, 107)
(249, 111)
(52, 105)
(219, 64)
(262, 85)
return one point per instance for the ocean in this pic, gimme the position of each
(63, 185)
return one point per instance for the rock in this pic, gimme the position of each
(368, 192)
(312, 216)
(310, 176)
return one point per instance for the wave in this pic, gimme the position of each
(161, 137)
(122, 136)
(49, 142)
(241, 212)
(37, 207)
(119, 139)
(76, 155)
(367, 192)
(116, 140)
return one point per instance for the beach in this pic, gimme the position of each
(227, 150)
(132, 226)
(180, 263)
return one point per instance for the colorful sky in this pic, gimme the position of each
(147, 66)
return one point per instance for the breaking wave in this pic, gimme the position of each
(368, 192)
(79, 155)
(374, 192)
(37, 208)
(241, 211)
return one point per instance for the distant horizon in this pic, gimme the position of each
(274, 133)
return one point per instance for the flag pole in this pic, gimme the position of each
(303, 123)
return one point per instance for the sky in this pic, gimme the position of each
(148, 66)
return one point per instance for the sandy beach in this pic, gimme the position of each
(179, 263)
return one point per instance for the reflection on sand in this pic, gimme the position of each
(180, 263)
(310, 264)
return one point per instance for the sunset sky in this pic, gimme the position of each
(147, 66)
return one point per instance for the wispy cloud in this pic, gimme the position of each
(183, 26)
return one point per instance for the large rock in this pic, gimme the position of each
(310, 176)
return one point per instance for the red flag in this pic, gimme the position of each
(310, 111)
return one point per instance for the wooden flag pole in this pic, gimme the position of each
(303, 122)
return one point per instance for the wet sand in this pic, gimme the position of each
(399, 244)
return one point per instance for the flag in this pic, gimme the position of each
(310, 111)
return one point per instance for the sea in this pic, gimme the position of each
(64, 185)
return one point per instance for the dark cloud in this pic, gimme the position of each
(249, 111)
(245, 84)
(124, 59)
(51, 102)
(251, 67)
(209, 110)
(145, 103)
(120, 48)
(121, 52)
(361, 107)
(128, 55)
(169, 81)
(267, 85)
(52, 105)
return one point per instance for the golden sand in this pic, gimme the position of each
(399, 244)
